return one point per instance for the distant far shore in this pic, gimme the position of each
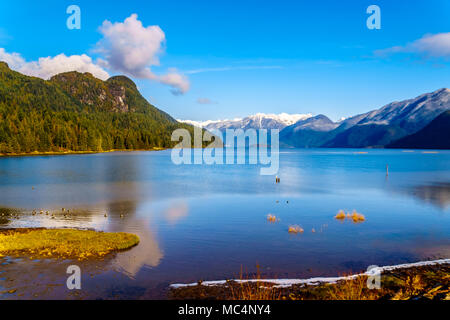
(60, 153)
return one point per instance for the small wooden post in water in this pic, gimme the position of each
(387, 170)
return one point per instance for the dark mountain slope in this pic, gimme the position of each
(376, 128)
(435, 135)
(361, 136)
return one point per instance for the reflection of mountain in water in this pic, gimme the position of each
(437, 194)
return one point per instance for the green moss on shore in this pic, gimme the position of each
(63, 243)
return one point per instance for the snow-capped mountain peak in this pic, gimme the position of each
(256, 121)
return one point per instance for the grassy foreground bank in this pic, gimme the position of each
(63, 243)
(431, 282)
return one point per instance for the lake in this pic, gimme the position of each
(207, 222)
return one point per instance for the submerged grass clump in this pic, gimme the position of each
(354, 216)
(357, 217)
(340, 215)
(295, 229)
(64, 243)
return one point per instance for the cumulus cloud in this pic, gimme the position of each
(178, 81)
(205, 101)
(47, 67)
(133, 49)
(127, 47)
(431, 45)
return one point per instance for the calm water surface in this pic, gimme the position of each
(205, 222)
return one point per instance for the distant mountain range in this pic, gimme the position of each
(309, 133)
(257, 121)
(375, 129)
(77, 112)
(396, 120)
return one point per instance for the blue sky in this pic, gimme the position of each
(244, 57)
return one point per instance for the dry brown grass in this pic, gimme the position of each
(357, 217)
(354, 216)
(413, 285)
(429, 282)
(254, 290)
(295, 229)
(272, 218)
(354, 289)
(340, 215)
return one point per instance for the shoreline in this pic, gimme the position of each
(419, 280)
(280, 283)
(64, 153)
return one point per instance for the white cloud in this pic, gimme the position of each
(131, 48)
(14, 60)
(177, 80)
(47, 67)
(431, 45)
(126, 47)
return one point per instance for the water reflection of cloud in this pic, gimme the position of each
(176, 212)
(146, 253)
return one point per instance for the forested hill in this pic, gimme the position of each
(78, 112)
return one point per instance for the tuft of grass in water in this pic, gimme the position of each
(340, 215)
(272, 218)
(64, 243)
(357, 217)
(295, 229)
(354, 216)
